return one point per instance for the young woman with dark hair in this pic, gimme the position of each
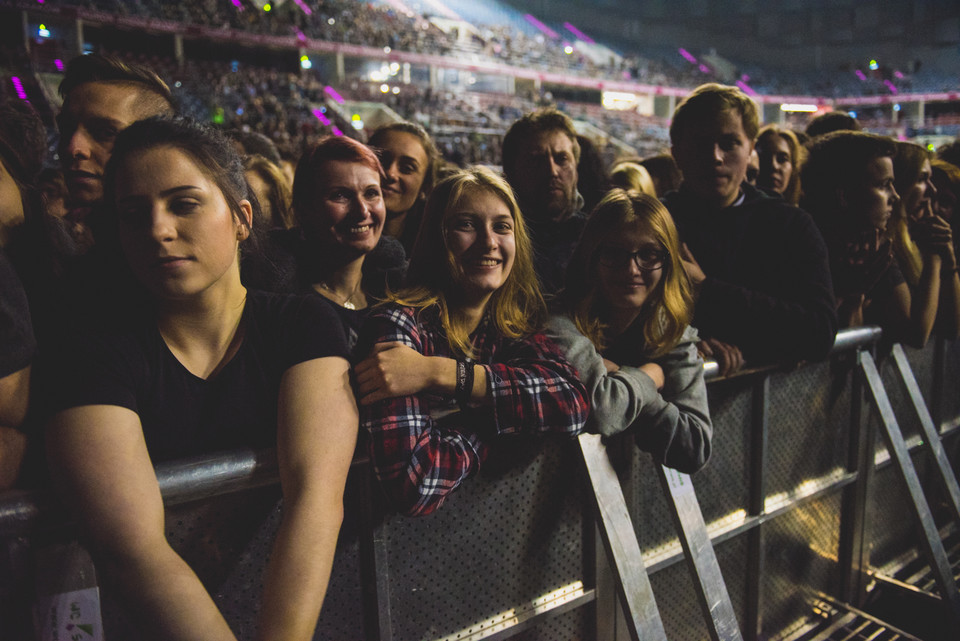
(204, 365)
(409, 158)
(457, 356)
(623, 322)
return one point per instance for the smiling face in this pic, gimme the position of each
(919, 194)
(872, 200)
(630, 264)
(405, 164)
(479, 233)
(176, 229)
(93, 114)
(544, 176)
(349, 212)
(713, 154)
(776, 165)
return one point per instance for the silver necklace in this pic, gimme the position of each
(346, 304)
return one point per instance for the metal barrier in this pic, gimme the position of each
(789, 499)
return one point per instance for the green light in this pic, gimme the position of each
(267, 7)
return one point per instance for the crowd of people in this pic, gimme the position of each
(511, 41)
(193, 290)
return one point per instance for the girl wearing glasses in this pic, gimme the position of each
(623, 323)
(457, 358)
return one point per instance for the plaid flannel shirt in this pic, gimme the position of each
(419, 458)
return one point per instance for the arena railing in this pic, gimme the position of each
(792, 498)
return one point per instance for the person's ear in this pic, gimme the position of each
(245, 224)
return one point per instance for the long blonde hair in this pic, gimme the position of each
(667, 310)
(906, 171)
(516, 309)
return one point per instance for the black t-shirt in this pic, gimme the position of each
(17, 343)
(183, 415)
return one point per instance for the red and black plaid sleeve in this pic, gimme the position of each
(417, 462)
(536, 390)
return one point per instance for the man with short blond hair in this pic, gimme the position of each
(758, 264)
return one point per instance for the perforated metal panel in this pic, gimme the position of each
(227, 541)
(809, 426)
(732, 556)
(922, 363)
(500, 542)
(891, 527)
(906, 416)
(722, 486)
(800, 553)
(651, 519)
(678, 604)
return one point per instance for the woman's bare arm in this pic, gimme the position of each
(316, 437)
(99, 461)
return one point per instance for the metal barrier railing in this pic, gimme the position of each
(25, 514)
(212, 475)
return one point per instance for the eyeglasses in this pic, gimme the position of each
(647, 259)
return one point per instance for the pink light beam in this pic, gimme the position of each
(689, 57)
(579, 34)
(18, 87)
(542, 27)
(330, 91)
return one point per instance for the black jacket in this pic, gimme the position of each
(768, 288)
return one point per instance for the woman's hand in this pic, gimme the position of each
(393, 369)
(859, 262)
(611, 366)
(729, 358)
(655, 372)
(933, 236)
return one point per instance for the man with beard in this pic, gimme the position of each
(540, 156)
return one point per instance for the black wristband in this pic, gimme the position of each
(464, 388)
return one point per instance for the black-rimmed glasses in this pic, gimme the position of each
(647, 259)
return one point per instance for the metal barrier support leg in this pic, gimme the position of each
(756, 506)
(701, 559)
(854, 553)
(374, 566)
(620, 541)
(931, 436)
(932, 546)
